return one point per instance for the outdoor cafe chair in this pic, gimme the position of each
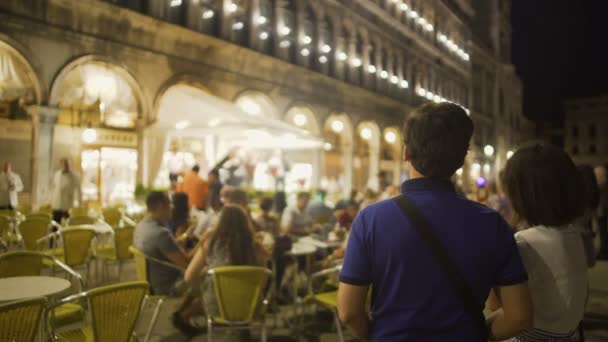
(78, 211)
(113, 312)
(326, 299)
(119, 252)
(40, 216)
(24, 209)
(20, 320)
(141, 269)
(28, 263)
(239, 291)
(75, 250)
(32, 230)
(80, 220)
(112, 216)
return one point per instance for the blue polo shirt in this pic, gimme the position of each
(411, 297)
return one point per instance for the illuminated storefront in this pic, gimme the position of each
(95, 128)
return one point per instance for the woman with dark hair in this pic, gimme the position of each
(592, 201)
(232, 242)
(547, 194)
(180, 214)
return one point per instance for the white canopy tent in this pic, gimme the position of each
(186, 111)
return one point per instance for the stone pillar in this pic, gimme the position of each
(348, 167)
(140, 126)
(398, 164)
(374, 168)
(317, 168)
(44, 119)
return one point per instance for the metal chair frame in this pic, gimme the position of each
(150, 298)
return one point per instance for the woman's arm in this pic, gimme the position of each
(196, 265)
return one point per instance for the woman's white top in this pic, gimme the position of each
(557, 271)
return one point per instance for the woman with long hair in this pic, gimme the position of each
(548, 198)
(180, 214)
(232, 242)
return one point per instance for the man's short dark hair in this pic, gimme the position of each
(196, 168)
(155, 200)
(303, 195)
(215, 172)
(437, 136)
(266, 204)
(544, 186)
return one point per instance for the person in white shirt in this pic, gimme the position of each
(10, 186)
(65, 190)
(547, 194)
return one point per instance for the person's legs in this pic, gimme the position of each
(602, 223)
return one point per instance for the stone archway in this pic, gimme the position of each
(338, 154)
(100, 110)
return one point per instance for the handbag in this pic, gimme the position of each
(457, 281)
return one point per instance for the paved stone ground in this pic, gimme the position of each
(596, 321)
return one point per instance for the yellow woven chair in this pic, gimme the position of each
(32, 230)
(328, 299)
(9, 213)
(112, 216)
(239, 291)
(39, 216)
(20, 321)
(28, 263)
(141, 270)
(80, 220)
(119, 253)
(46, 209)
(24, 209)
(78, 211)
(114, 310)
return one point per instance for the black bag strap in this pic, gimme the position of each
(455, 277)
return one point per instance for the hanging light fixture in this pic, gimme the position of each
(261, 20)
(263, 35)
(488, 150)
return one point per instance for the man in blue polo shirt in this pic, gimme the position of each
(412, 298)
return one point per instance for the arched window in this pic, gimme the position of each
(372, 66)
(238, 18)
(263, 22)
(344, 53)
(327, 47)
(286, 30)
(308, 38)
(356, 61)
(204, 16)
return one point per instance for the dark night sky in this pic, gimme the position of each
(560, 49)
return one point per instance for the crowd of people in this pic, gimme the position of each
(205, 224)
(430, 257)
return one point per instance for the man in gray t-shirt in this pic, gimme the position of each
(295, 220)
(153, 237)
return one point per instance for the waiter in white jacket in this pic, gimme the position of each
(10, 186)
(65, 191)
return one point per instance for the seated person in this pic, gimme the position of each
(265, 221)
(295, 220)
(318, 210)
(153, 237)
(232, 242)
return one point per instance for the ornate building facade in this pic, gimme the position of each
(127, 89)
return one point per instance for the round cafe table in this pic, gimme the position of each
(18, 288)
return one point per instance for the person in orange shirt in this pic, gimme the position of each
(196, 188)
